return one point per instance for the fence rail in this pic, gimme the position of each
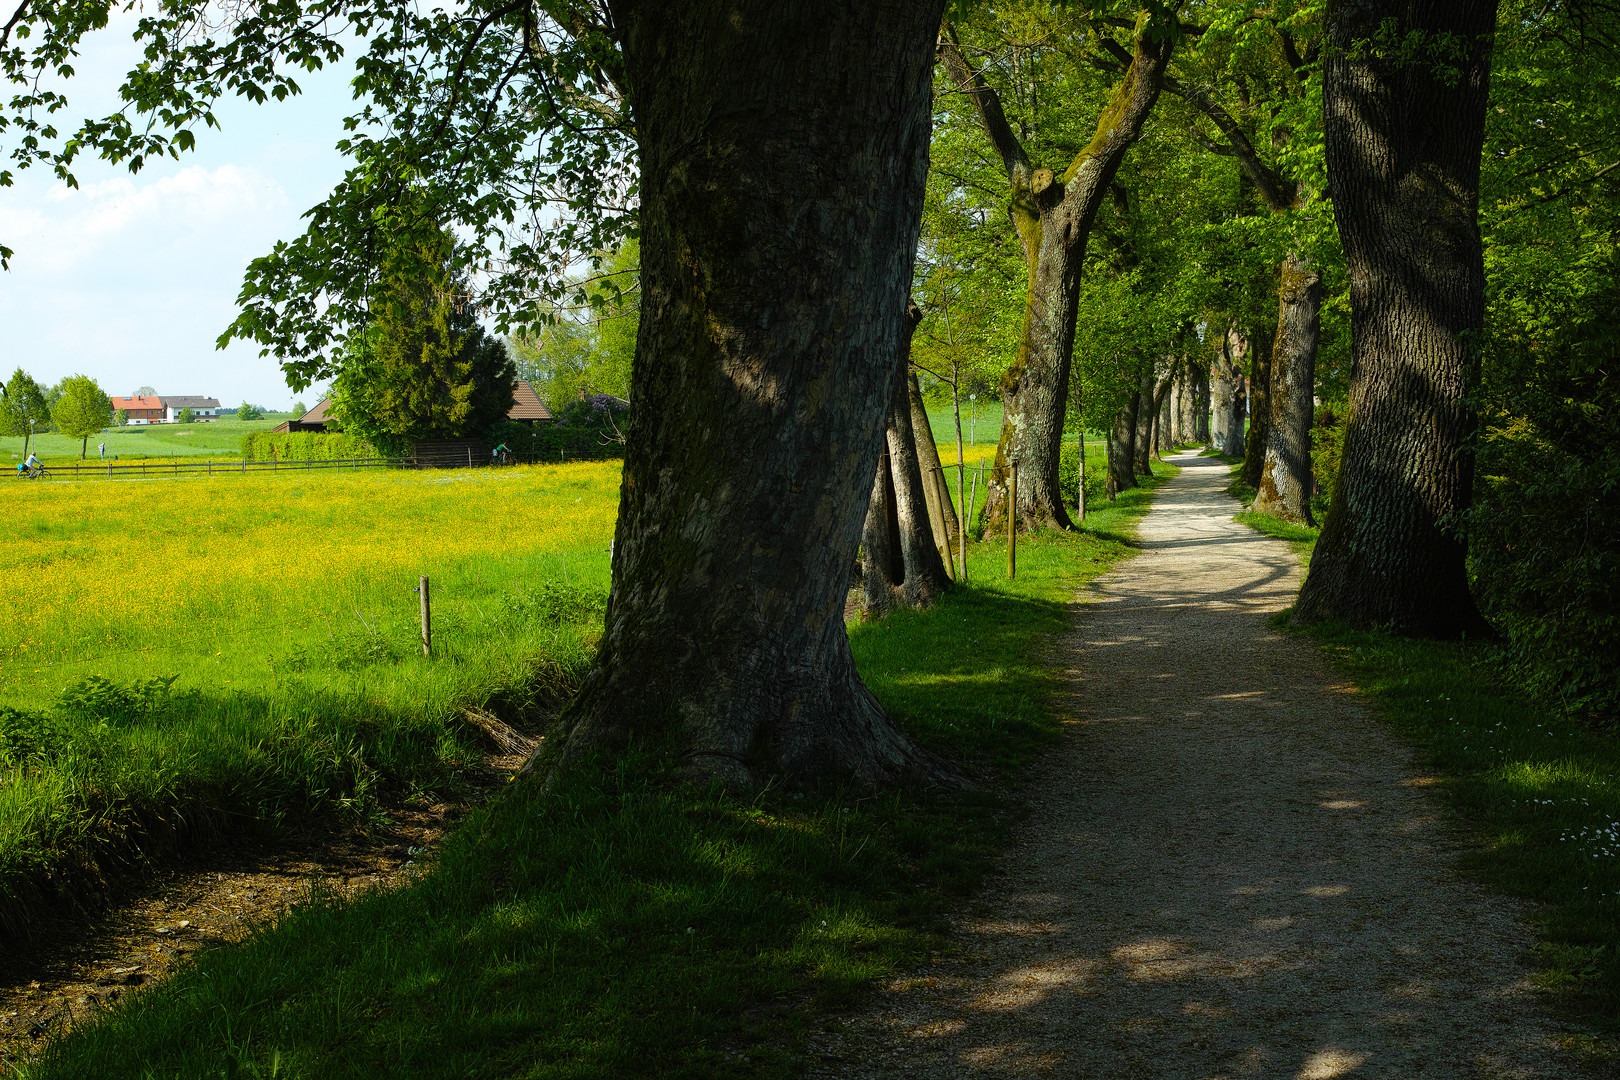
(113, 470)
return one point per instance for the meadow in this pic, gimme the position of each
(218, 439)
(184, 654)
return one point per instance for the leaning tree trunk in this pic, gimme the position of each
(1285, 483)
(1145, 400)
(1254, 443)
(1122, 449)
(783, 148)
(902, 566)
(1403, 138)
(941, 510)
(1053, 214)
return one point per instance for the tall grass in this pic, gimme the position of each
(284, 610)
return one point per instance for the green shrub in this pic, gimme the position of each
(305, 446)
(97, 698)
(1069, 476)
(28, 739)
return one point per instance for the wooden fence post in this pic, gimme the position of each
(427, 618)
(1012, 525)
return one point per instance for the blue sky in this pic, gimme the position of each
(131, 278)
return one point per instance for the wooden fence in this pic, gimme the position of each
(113, 470)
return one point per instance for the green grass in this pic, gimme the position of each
(627, 925)
(1533, 790)
(284, 610)
(219, 439)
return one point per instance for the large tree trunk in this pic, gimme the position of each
(1403, 136)
(1200, 378)
(1285, 483)
(1186, 403)
(1254, 443)
(1122, 449)
(902, 565)
(941, 510)
(1226, 394)
(1161, 415)
(1145, 401)
(784, 147)
(1053, 215)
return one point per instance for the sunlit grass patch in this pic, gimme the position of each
(280, 612)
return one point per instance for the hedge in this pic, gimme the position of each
(305, 446)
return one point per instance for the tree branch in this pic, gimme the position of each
(1279, 194)
(16, 17)
(988, 102)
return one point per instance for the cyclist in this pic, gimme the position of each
(29, 464)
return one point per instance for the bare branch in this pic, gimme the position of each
(988, 102)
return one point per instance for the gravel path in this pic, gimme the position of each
(1230, 870)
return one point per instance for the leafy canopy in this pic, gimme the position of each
(505, 123)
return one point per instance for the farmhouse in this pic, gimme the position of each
(140, 410)
(204, 408)
(526, 408)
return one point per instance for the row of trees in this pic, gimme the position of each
(76, 407)
(1294, 179)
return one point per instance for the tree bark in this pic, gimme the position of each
(1403, 135)
(1186, 403)
(1226, 394)
(1285, 482)
(902, 565)
(941, 511)
(1161, 415)
(1145, 417)
(1200, 378)
(1254, 443)
(783, 147)
(1122, 449)
(1053, 214)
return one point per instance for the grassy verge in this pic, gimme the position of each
(237, 654)
(626, 925)
(1535, 791)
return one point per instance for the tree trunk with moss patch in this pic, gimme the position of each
(1146, 401)
(1404, 128)
(1122, 449)
(1285, 481)
(784, 147)
(1053, 214)
(1161, 415)
(1226, 394)
(1254, 442)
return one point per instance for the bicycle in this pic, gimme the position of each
(37, 472)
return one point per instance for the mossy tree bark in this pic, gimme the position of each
(1161, 415)
(1285, 482)
(1403, 132)
(1147, 417)
(784, 147)
(1261, 340)
(1054, 214)
(1226, 394)
(1122, 449)
(901, 563)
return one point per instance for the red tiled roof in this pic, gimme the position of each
(526, 404)
(130, 404)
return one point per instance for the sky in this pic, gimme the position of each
(131, 278)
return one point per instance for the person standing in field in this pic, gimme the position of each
(103, 448)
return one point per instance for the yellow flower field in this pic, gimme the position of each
(165, 573)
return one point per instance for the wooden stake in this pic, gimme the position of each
(427, 618)
(1012, 526)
